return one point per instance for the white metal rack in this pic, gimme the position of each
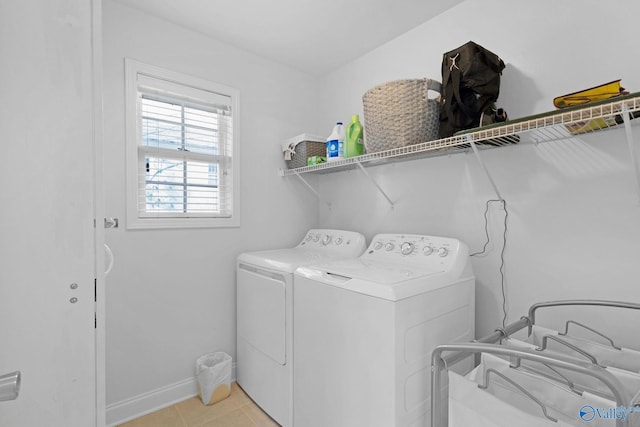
(457, 352)
(551, 126)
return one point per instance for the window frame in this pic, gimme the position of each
(135, 159)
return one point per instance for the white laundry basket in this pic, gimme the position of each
(213, 371)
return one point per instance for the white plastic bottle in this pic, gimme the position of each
(335, 143)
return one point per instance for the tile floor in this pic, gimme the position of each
(237, 410)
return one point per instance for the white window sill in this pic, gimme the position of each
(151, 223)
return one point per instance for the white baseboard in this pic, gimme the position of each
(154, 400)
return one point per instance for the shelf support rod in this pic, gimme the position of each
(364, 171)
(626, 117)
(484, 167)
(310, 187)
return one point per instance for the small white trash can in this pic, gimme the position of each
(213, 371)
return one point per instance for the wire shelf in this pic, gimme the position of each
(550, 126)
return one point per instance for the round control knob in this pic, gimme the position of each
(338, 241)
(316, 238)
(442, 252)
(378, 246)
(326, 239)
(406, 248)
(428, 250)
(309, 237)
(389, 247)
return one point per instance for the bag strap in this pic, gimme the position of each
(455, 75)
(457, 80)
(485, 102)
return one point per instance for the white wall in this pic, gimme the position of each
(574, 216)
(171, 294)
(573, 228)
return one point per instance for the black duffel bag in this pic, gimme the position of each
(470, 87)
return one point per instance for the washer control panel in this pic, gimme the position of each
(334, 240)
(415, 249)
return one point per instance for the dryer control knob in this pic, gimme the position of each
(443, 252)
(378, 246)
(309, 237)
(428, 250)
(406, 248)
(389, 247)
(338, 241)
(316, 238)
(326, 239)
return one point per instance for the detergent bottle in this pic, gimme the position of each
(354, 138)
(335, 143)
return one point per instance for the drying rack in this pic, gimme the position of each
(459, 351)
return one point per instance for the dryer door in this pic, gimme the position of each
(262, 311)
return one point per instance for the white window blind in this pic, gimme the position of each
(185, 165)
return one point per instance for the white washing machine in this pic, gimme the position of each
(265, 315)
(365, 329)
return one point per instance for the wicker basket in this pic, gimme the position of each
(400, 113)
(302, 147)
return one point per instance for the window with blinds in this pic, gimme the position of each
(182, 165)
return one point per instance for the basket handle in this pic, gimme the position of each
(435, 86)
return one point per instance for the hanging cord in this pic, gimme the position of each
(504, 246)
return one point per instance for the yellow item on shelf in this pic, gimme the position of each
(591, 125)
(597, 93)
(583, 97)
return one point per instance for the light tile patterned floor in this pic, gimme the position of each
(237, 410)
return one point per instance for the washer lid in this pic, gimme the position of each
(389, 281)
(317, 246)
(285, 260)
(377, 271)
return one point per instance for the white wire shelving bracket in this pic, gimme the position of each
(310, 187)
(364, 171)
(484, 167)
(626, 117)
(555, 125)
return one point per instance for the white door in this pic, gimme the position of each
(46, 214)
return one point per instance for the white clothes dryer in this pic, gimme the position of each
(265, 315)
(365, 329)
